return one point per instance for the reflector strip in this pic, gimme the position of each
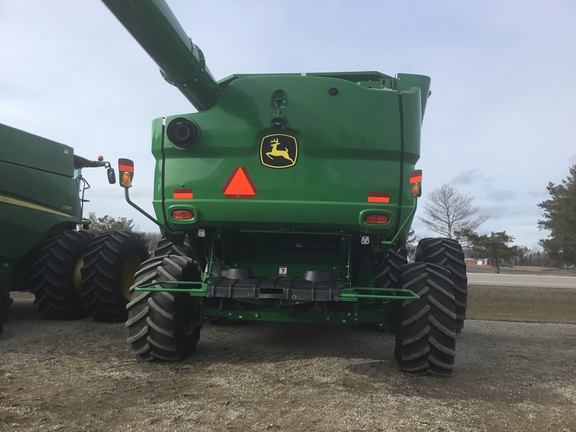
(239, 185)
(19, 203)
(183, 194)
(377, 197)
(416, 177)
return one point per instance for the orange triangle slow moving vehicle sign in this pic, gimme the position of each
(239, 185)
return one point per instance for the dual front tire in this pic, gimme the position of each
(110, 264)
(76, 275)
(56, 277)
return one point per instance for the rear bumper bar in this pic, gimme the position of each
(294, 289)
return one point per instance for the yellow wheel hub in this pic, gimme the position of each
(77, 275)
(131, 266)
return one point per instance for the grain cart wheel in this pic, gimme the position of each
(166, 247)
(108, 273)
(157, 328)
(55, 279)
(426, 340)
(448, 252)
(387, 271)
(5, 300)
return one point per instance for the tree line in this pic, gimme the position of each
(452, 216)
(104, 224)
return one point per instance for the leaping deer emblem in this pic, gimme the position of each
(274, 143)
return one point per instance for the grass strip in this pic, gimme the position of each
(532, 304)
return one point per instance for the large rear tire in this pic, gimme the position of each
(108, 273)
(166, 247)
(448, 252)
(426, 340)
(387, 272)
(56, 277)
(157, 325)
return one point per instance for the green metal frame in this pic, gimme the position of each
(353, 294)
(162, 226)
(406, 222)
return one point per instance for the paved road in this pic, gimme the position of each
(522, 280)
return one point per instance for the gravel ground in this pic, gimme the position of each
(80, 376)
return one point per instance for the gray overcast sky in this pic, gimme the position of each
(501, 122)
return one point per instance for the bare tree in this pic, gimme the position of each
(411, 243)
(448, 212)
(151, 239)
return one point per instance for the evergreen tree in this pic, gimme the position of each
(495, 246)
(559, 218)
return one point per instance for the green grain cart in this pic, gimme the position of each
(72, 273)
(288, 197)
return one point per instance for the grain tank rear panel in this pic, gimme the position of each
(345, 149)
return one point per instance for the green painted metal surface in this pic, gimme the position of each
(358, 142)
(313, 147)
(38, 190)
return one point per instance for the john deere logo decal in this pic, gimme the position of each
(278, 151)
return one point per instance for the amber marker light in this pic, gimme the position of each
(416, 189)
(376, 219)
(126, 170)
(416, 180)
(126, 179)
(182, 214)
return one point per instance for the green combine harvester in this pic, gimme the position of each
(288, 197)
(72, 273)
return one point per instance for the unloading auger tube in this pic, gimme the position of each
(181, 62)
